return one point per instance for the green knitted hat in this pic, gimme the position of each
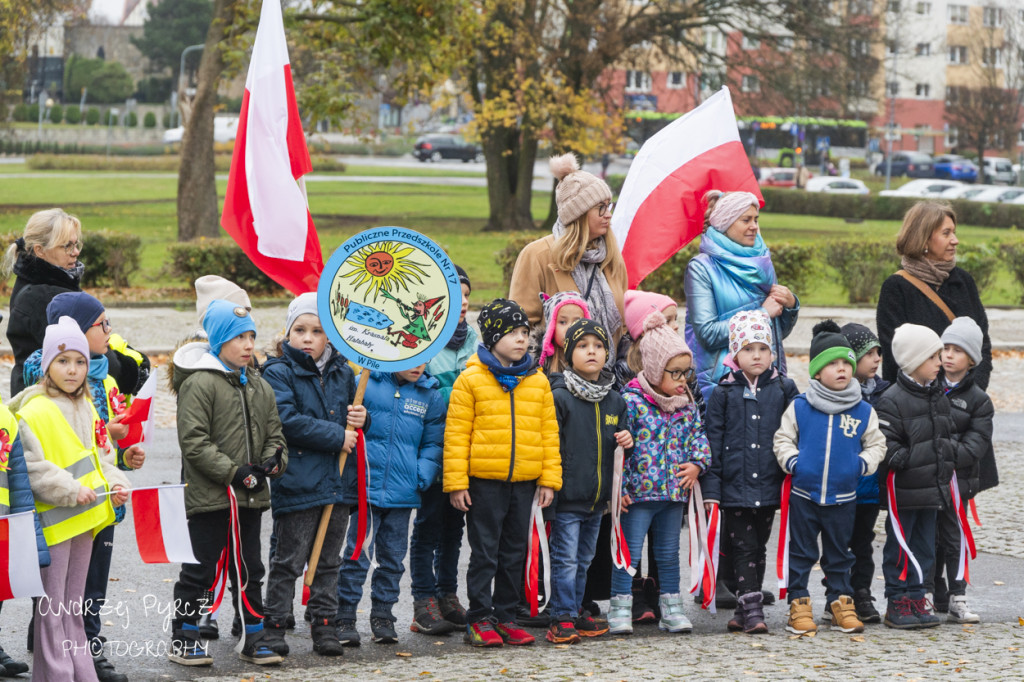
(828, 344)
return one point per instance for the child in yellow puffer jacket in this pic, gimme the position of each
(501, 445)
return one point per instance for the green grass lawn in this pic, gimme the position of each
(144, 203)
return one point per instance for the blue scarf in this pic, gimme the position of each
(508, 377)
(241, 377)
(749, 265)
(98, 369)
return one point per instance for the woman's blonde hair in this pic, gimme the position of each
(45, 229)
(919, 223)
(570, 246)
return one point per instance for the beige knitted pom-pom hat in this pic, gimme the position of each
(578, 191)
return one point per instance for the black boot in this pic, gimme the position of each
(325, 638)
(273, 637)
(105, 670)
(10, 666)
(724, 598)
(863, 602)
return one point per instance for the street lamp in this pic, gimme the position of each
(110, 123)
(181, 73)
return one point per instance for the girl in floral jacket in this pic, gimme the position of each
(670, 452)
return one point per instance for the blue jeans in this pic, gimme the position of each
(436, 543)
(390, 540)
(665, 521)
(573, 545)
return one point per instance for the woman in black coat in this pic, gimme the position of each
(45, 260)
(927, 242)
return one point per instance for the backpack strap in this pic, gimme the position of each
(927, 291)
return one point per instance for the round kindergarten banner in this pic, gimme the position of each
(389, 299)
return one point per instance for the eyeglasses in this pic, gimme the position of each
(104, 324)
(72, 246)
(604, 209)
(680, 374)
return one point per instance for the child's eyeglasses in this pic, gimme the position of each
(680, 374)
(104, 324)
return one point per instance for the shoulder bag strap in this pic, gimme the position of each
(927, 291)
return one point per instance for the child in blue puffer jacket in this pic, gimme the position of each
(404, 452)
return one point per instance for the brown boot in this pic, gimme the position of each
(801, 620)
(844, 615)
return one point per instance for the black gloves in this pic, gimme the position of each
(899, 461)
(249, 477)
(272, 466)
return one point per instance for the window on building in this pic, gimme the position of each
(992, 17)
(891, 47)
(952, 94)
(952, 135)
(784, 43)
(923, 90)
(1020, 137)
(861, 6)
(751, 43)
(923, 49)
(858, 48)
(991, 56)
(958, 14)
(957, 54)
(638, 81)
(822, 89)
(893, 6)
(751, 84)
(713, 40)
(892, 88)
(858, 87)
(924, 8)
(711, 78)
(676, 80)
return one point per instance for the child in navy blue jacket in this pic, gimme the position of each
(828, 439)
(744, 478)
(868, 351)
(404, 452)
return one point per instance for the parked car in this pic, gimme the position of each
(778, 177)
(955, 167)
(964, 191)
(998, 194)
(436, 147)
(921, 188)
(224, 130)
(837, 186)
(910, 164)
(998, 169)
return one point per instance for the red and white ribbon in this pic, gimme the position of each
(537, 553)
(897, 530)
(974, 512)
(620, 550)
(364, 527)
(702, 563)
(782, 558)
(232, 555)
(710, 579)
(963, 572)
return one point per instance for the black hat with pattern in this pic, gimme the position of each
(575, 332)
(499, 317)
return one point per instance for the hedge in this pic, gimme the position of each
(191, 260)
(73, 114)
(149, 120)
(56, 113)
(110, 257)
(92, 116)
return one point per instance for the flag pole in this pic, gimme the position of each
(325, 515)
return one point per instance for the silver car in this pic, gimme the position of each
(997, 169)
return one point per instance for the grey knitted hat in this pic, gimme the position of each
(965, 332)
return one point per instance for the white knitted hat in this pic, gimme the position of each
(912, 344)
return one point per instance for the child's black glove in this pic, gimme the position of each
(249, 477)
(899, 461)
(271, 467)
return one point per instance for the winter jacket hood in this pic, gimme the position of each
(972, 413)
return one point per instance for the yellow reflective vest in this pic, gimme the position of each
(8, 432)
(63, 448)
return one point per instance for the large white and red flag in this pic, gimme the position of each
(660, 208)
(161, 530)
(139, 415)
(265, 209)
(19, 562)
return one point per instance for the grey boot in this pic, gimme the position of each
(753, 613)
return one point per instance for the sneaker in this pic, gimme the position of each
(208, 627)
(801, 619)
(620, 615)
(512, 635)
(588, 626)
(451, 610)
(347, 633)
(187, 648)
(483, 634)
(325, 638)
(642, 611)
(526, 620)
(672, 617)
(273, 637)
(383, 630)
(924, 612)
(958, 611)
(104, 670)
(900, 614)
(844, 615)
(427, 618)
(562, 631)
(255, 649)
(864, 604)
(10, 665)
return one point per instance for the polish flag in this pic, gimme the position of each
(661, 208)
(139, 415)
(265, 209)
(19, 562)
(161, 530)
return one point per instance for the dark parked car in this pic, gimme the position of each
(955, 167)
(437, 147)
(911, 164)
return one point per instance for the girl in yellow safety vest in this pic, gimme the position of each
(76, 484)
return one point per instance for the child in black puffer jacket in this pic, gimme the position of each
(914, 415)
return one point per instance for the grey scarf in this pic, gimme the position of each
(591, 391)
(931, 272)
(833, 402)
(321, 364)
(594, 287)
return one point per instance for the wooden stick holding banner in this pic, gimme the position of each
(389, 299)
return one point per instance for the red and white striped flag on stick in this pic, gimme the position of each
(265, 207)
(660, 208)
(161, 530)
(19, 562)
(139, 415)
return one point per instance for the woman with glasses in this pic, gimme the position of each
(732, 272)
(45, 261)
(580, 254)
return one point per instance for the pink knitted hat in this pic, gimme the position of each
(552, 304)
(658, 345)
(640, 304)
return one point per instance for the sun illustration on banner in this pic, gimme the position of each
(384, 266)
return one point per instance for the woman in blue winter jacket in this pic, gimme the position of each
(404, 452)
